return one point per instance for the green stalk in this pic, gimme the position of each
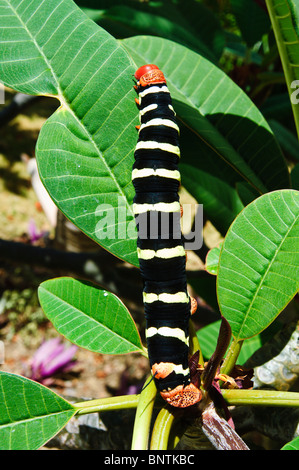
(144, 416)
(161, 430)
(231, 357)
(287, 39)
(194, 344)
(106, 404)
(261, 397)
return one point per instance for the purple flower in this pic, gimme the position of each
(51, 357)
(34, 234)
(125, 388)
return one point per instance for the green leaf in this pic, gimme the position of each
(246, 193)
(203, 23)
(292, 445)
(284, 15)
(221, 203)
(30, 414)
(249, 347)
(286, 138)
(89, 317)
(195, 27)
(205, 287)
(222, 132)
(85, 149)
(212, 259)
(295, 177)
(252, 20)
(208, 335)
(277, 107)
(152, 22)
(259, 263)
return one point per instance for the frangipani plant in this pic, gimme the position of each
(231, 163)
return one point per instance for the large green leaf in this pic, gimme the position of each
(221, 202)
(295, 177)
(259, 263)
(195, 27)
(89, 317)
(222, 131)
(30, 414)
(208, 335)
(284, 15)
(152, 22)
(286, 138)
(85, 149)
(252, 20)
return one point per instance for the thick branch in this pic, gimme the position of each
(99, 267)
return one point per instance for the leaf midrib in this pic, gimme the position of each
(263, 277)
(57, 298)
(66, 105)
(33, 418)
(288, 67)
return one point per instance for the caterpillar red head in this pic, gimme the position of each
(149, 74)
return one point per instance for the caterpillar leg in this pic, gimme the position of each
(193, 305)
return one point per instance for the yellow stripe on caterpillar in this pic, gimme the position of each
(158, 207)
(167, 332)
(152, 145)
(172, 109)
(164, 253)
(162, 172)
(178, 297)
(148, 108)
(160, 122)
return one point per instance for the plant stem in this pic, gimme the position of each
(216, 358)
(161, 430)
(283, 32)
(261, 397)
(194, 344)
(144, 416)
(105, 404)
(231, 357)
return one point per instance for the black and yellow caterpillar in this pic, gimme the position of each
(161, 253)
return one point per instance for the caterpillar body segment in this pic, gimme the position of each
(161, 253)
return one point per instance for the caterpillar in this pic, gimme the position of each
(160, 249)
